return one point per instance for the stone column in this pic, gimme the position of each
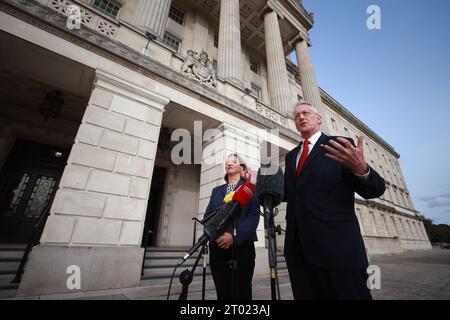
(224, 140)
(219, 143)
(97, 219)
(278, 83)
(151, 15)
(308, 80)
(229, 53)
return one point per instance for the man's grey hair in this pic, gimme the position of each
(301, 103)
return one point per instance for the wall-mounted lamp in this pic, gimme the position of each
(51, 107)
(151, 37)
(247, 92)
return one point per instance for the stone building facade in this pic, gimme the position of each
(129, 74)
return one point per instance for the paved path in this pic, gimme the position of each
(413, 275)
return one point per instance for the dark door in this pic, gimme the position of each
(28, 181)
(154, 207)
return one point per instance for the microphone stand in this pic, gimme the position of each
(270, 234)
(204, 252)
(186, 276)
(233, 263)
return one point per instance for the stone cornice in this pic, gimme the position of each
(375, 204)
(114, 84)
(299, 12)
(358, 123)
(44, 18)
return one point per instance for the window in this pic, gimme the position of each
(410, 229)
(382, 172)
(402, 227)
(347, 134)
(172, 42)
(358, 216)
(387, 193)
(368, 148)
(420, 231)
(176, 15)
(378, 155)
(402, 198)
(408, 200)
(216, 40)
(372, 219)
(256, 91)
(109, 7)
(417, 230)
(395, 198)
(333, 123)
(396, 180)
(254, 65)
(383, 221)
(394, 226)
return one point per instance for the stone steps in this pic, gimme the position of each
(10, 257)
(160, 262)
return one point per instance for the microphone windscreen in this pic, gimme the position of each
(244, 194)
(270, 183)
(211, 227)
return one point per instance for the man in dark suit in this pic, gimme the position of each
(324, 249)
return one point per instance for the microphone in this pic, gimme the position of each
(215, 226)
(270, 192)
(270, 185)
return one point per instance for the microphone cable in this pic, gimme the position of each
(171, 280)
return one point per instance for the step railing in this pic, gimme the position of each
(34, 240)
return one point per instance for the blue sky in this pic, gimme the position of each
(396, 80)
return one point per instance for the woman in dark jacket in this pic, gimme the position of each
(221, 249)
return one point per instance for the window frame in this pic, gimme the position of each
(259, 89)
(169, 35)
(118, 4)
(175, 8)
(252, 63)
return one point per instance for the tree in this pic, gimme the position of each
(437, 233)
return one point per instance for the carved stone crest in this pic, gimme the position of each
(200, 68)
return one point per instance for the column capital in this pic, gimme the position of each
(299, 38)
(268, 8)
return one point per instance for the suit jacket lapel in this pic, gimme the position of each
(314, 152)
(293, 159)
(224, 190)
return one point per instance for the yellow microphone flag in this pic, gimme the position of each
(228, 197)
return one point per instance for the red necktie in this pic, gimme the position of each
(303, 156)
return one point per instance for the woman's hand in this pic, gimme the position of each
(248, 175)
(225, 240)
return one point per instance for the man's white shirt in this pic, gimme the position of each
(312, 142)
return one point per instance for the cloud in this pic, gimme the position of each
(438, 201)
